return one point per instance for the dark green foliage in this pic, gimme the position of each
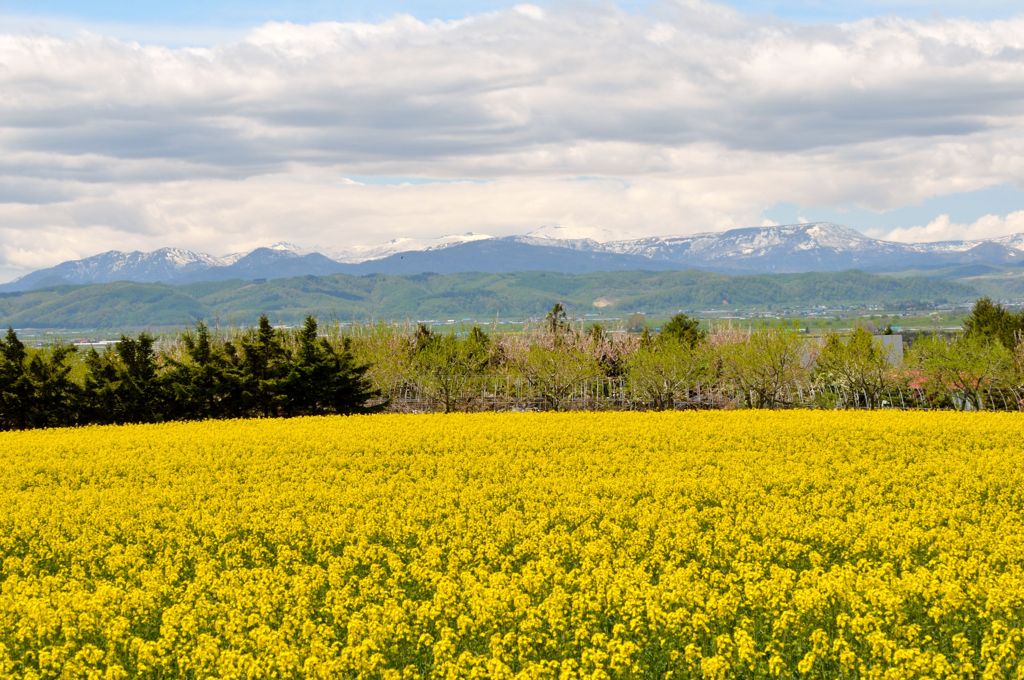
(122, 385)
(683, 329)
(269, 371)
(36, 389)
(992, 322)
(55, 396)
(101, 400)
(15, 387)
(324, 378)
(140, 390)
(203, 377)
(208, 382)
(264, 367)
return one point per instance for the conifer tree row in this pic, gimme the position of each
(264, 372)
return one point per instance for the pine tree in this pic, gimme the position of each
(557, 320)
(55, 396)
(140, 388)
(201, 384)
(264, 365)
(122, 384)
(683, 329)
(15, 386)
(101, 396)
(325, 380)
(989, 321)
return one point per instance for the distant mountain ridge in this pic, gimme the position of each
(796, 248)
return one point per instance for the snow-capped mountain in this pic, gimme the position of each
(791, 247)
(816, 246)
(356, 254)
(574, 238)
(1015, 241)
(113, 265)
(561, 232)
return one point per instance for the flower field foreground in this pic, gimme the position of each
(726, 544)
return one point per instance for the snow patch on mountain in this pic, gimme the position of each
(560, 232)
(285, 247)
(356, 254)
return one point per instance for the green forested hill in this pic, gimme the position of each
(434, 296)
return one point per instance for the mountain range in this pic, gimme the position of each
(797, 248)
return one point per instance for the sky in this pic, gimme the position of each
(221, 127)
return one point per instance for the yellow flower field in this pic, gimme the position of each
(622, 545)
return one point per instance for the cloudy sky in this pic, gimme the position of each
(224, 126)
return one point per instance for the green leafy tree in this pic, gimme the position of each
(766, 369)
(663, 374)
(637, 323)
(554, 373)
(858, 366)
(966, 370)
(449, 370)
(387, 352)
(557, 320)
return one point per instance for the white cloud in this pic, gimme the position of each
(693, 118)
(944, 229)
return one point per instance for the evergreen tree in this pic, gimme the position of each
(101, 395)
(324, 379)
(233, 398)
(15, 386)
(264, 366)
(140, 390)
(350, 390)
(201, 384)
(122, 384)
(557, 320)
(989, 321)
(683, 329)
(55, 396)
(423, 336)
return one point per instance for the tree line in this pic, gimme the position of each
(683, 365)
(271, 372)
(264, 372)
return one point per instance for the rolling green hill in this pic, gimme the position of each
(478, 296)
